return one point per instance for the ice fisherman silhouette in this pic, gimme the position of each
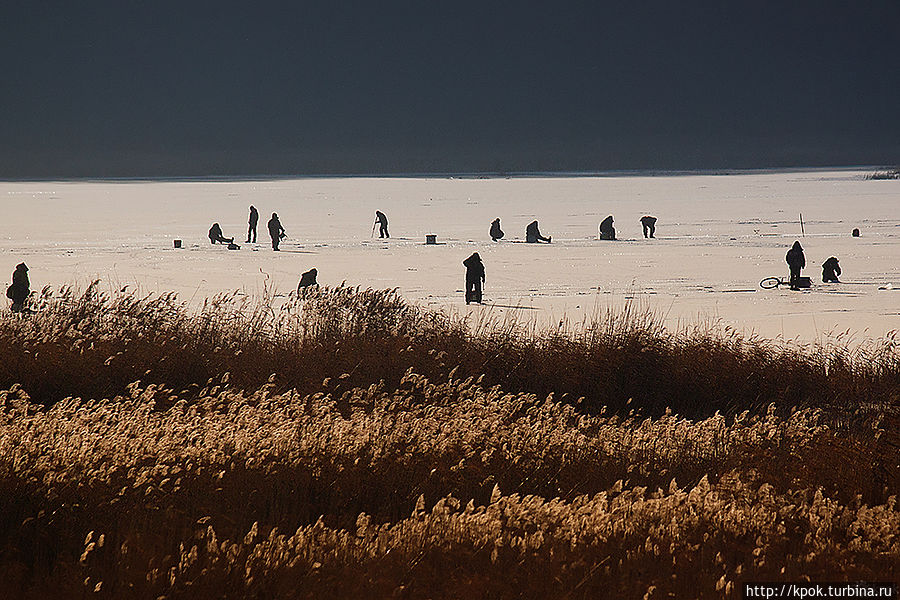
(830, 270)
(474, 278)
(254, 219)
(215, 235)
(308, 279)
(649, 225)
(606, 229)
(20, 289)
(533, 234)
(276, 231)
(496, 232)
(796, 261)
(381, 219)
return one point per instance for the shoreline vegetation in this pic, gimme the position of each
(347, 443)
(885, 174)
(878, 173)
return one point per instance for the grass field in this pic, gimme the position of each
(348, 444)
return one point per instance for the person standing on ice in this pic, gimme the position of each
(254, 219)
(533, 234)
(276, 231)
(796, 261)
(830, 271)
(496, 232)
(380, 219)
(20, 289)
(474, 278)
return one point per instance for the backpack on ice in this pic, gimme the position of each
(9, 292)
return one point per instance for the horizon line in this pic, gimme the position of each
(723, 171)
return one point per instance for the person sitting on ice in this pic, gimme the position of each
(215, 235)
(830, 270)
(533, 234)
(20, 289)
(606, 229)
(649, 225)
(496, 232)
(308, 279)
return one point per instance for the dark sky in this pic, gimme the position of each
(128, 88)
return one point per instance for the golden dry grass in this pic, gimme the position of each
(278, 453)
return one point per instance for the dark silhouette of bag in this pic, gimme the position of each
(9, 292)
(804, 282)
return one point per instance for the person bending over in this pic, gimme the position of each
(381, 220)
(830, 270)
(649, 225)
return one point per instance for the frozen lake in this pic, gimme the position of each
(716, 238)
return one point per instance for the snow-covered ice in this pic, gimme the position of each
(716, 238)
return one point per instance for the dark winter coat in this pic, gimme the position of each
(830, 270)
(496, 232)
(275, 228)
(794, 257)
(533, 234)
(307, 279)
(21, 287)
(474, 268)
(607, 231)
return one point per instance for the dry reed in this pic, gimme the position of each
(348, 444)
